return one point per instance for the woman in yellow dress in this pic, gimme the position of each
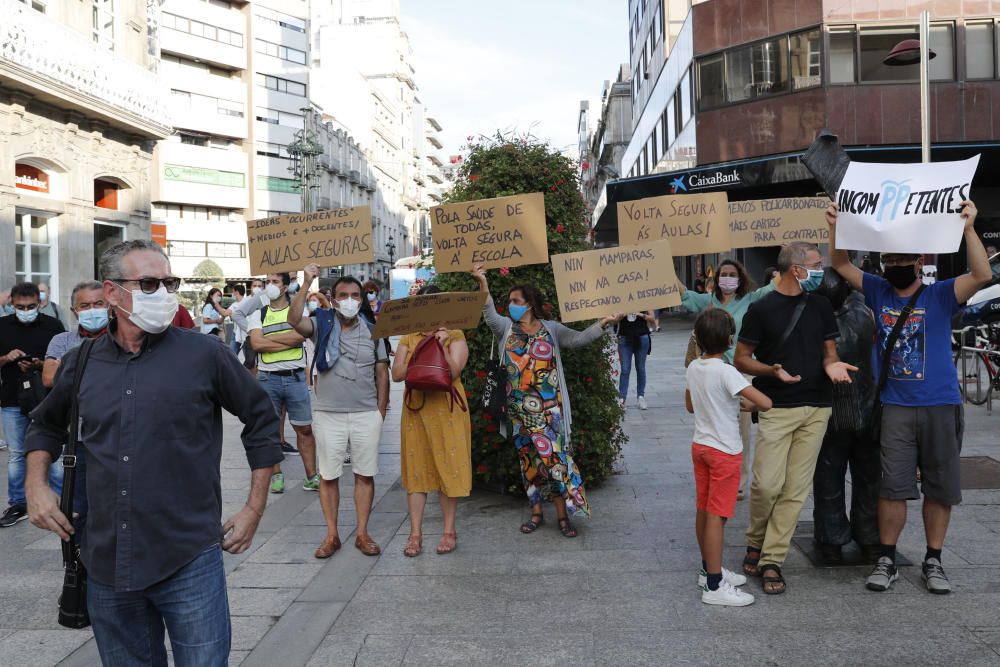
(436, 440)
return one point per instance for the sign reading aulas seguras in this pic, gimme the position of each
(328, 238)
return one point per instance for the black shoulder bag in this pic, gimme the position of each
(73, 601)
(785, 335)
(876, 426)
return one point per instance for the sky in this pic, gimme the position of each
(519, 65)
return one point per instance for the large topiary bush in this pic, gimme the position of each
(508, 165)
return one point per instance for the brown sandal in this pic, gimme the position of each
(414, 546)
(750, 563)
(531, 525)
(566, 528)
(443, 548)
(774, 585)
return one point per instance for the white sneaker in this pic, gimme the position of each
(642, 403)
(726, 595)
(732, 578)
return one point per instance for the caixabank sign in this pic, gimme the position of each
(716, 179)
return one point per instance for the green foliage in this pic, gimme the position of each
(209, 270)
(507, 165)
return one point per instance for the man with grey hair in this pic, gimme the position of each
(153, 441)
(787, 343)
(50, 307)
(91, 311)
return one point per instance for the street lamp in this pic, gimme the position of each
(390, 247)
(913, 52)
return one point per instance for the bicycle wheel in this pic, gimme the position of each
(978, 382)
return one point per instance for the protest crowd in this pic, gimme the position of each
(794, 356)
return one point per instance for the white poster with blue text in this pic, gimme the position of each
(908, 208)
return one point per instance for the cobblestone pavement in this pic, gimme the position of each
(623, 592)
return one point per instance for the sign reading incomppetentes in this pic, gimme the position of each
(328, 238)
(626, 279)
(501, 232)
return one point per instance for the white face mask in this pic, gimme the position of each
(272, 291)
(349, 308)
(313, 305)
(154, 312)
(42, 296)
(257, 290)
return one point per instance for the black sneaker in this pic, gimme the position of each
(287, 448)
(13, 514)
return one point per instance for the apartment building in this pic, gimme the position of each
(602, 147)
(79, 113)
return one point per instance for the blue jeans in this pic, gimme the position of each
(235, 346)
(290, 391)
(15, 426)
(192, 604)
(626, 353)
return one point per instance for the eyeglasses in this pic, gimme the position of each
(151, 285)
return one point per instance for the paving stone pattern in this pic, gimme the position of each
(622, 593)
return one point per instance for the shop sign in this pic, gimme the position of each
(32, 178)
(231, 179)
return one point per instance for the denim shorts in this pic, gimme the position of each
(290, 392)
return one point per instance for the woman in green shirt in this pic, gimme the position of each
(734, 292)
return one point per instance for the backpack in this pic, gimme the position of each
(428, 370)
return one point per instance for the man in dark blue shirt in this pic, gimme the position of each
(151, 403)
(922, 418)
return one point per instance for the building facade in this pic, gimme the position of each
(363, 56)
(602, 154)
(77, 127)
(761, 88)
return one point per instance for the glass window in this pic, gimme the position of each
(842, 42)
(685, 101)
(806, 59)
(105, 236)
(186, 248)
(770, 67)
(33, 260)
(942, 42)
(876, 43)
(979, 51)
(711, 77)
(664, 137)
(739, 75)
(671, 116)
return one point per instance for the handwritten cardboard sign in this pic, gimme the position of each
(626, 279)
(904, 208)
(769, 222)
(328, 238)
(506, 231)
(695, 224)
(452, 310)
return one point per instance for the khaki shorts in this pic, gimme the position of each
(334, 431)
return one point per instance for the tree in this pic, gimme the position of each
(208, 270)
(508, 165)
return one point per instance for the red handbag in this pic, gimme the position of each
(428, 370)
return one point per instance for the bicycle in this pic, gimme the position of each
(978, 364)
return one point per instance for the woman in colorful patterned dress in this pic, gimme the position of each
(538, 406)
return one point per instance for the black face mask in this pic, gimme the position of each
(900, 277)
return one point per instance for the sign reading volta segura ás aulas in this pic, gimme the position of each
(907, 208)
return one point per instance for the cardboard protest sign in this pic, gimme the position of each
(328, 238)
(626, 279)
(695, 224)
(501, 232)
(452, 310)
(907, 208)
(768, 222)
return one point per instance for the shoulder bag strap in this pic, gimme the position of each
(69, 453)
(794, 321)
(890, 342)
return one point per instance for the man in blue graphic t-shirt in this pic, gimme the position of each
(922, 420)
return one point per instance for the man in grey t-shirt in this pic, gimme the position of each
(349, 405)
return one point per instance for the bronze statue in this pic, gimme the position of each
(847, 441)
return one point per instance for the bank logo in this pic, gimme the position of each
(677, 185)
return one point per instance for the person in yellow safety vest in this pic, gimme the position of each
(281, 368)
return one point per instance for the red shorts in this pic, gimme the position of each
(716, 479)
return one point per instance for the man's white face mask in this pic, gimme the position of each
(349, 308)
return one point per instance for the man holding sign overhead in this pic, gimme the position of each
(922, 418)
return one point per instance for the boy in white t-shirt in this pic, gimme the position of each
(716, 392)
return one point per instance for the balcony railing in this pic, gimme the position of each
(53, 59)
